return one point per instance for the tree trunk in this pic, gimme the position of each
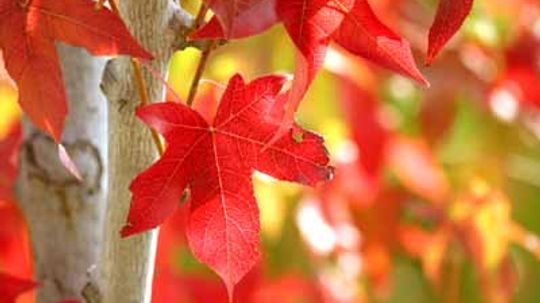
(127, 267)
(65, 216)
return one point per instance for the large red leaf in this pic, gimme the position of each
(215, 160)
(11, 287)
(449, 18)
(28, 33)
(363, 34)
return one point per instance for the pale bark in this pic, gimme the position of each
(127, 267)
(65, 216)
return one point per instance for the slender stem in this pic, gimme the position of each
(200, 15)
(101, 3)
(200, 71)
(114, 7)
(141, 86)
(203, 10)
(156, 74)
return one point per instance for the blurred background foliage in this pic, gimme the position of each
(436, 195)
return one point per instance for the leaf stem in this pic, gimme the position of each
(203, 10)
(200, 71)
(200, 15)
(114, 7)
(141, 86)
(101, 3)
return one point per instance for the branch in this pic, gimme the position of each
(161, 27)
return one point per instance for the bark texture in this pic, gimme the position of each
(65, 216)
(127, 268)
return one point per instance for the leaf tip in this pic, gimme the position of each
(424, 82)
(68, 163)
(230, 290)
(127, 231)
(430, 56)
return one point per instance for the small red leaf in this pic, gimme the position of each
(215, 159)
(449, 18)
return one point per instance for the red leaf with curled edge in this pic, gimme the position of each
(310, 24)
(363, 34)
(215, 160)
(449, 18)
(28, 32)
(11, 287)
(238, 19)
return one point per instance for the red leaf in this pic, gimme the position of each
(235, 21)
(216, 160)
(310, 25)
(449, 18)
(361, 111)
(27, 37)
(363, 34)
(12, 287)
(416, 167)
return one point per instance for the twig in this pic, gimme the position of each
(101, 3)
(199, 73)
(141, 85)
(114, 7)
(157, 75)
(203, 10)
(200, 15)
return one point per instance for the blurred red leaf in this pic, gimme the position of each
(519, 80)
(361, 110)
(414, 165)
